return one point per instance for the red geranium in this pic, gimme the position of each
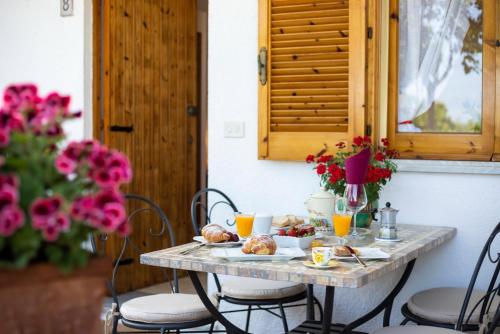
(332, 173)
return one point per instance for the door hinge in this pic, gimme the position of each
(368, 130)
(369, 32)
(262, 63)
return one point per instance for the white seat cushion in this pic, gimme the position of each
(444, 304)
(256, 288)
(165, 308)
(415, 330)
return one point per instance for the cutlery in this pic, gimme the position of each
(353, 253)
(189, 250)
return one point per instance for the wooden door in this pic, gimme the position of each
(147, 67)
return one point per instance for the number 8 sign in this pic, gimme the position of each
(66, 7)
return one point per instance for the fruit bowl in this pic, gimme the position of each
(290, 242)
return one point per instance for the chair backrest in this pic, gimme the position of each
(141, 206)
(489, 264)
(202, 212)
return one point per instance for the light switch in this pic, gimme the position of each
(66, 8)
(234, 129)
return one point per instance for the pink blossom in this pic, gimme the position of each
(65, 165)
(50, 233)
(115, 211)
(16, 96)
(11, 219)
(4, 137)
(124, 229)
(62, 221)
(8, 195)
(81, 208)
(102, 178)
(73, 151)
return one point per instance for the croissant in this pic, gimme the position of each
(261, 244)
(342, 251)
(215, 233)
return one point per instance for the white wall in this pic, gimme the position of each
(468, 202)
(40, 46)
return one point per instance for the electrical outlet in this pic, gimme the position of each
(234, 129)
(66, 8)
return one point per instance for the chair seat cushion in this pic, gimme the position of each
(256, 288)
(165, 308)
(415, 330)
(444, 304)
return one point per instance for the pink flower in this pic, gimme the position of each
(65, 165)
(11, 219)
(4, 137)
(73, 151)
(124, 229)
(16, 96)
(102, 178)
(50, 233)
(62, 221)
(8, 195)
(81, 208)
(115, 211)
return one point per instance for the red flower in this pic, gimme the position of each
(310, 158)
(367, 140)
(379, 156)
(385, 142)
(321, 169)
(358, 141)
(340, 145)
(325, 158)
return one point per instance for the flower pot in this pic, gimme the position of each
(42, 299)
(365, 217)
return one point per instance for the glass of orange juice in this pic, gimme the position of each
(244, 223)
(341, 218)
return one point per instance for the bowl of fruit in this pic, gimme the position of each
(297, 236)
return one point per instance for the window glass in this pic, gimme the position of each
(440, 66)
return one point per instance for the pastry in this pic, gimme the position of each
(261, 244)
(342, 251)
(288, 220)
(214, 233)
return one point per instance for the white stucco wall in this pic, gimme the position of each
(39, 46)
(468, 202)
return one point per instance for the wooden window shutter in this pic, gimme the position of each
(312, 93)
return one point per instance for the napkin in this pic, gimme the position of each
(356, 167)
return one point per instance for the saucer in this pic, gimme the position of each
(387, 240)
(331, 264)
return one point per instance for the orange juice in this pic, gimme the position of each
(244, 224)
(342, 224)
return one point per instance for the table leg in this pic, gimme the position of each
(386, 304)
(310, 302)
(230, 328)
(328, 309)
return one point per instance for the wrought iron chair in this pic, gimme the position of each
(254, 293)
(165, 312)
(464, 309)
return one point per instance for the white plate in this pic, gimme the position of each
(199, 238)
(235, 254)
(366, 253)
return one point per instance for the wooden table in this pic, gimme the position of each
(416, 241)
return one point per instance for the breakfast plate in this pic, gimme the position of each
(200, 238)
(235, 254)
(366, 253)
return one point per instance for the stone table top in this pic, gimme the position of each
(416, 241)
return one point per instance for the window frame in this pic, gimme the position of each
(452, 146)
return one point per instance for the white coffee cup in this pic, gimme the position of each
(262, 224)
(322, 255)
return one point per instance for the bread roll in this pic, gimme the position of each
(261, 244)
(342, 251)
(214, 233)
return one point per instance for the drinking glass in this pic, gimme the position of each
(341, 218)
(244, 223)
(355, 195)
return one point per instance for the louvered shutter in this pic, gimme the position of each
(313, 95)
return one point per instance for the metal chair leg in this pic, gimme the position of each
(162, 331)
(211, 330)
(249, 312)
(320, 309)
(405, 321)
(283, 318)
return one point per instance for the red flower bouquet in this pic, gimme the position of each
(52, 199)
(331, 169)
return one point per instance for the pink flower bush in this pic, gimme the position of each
(66, 194)
(11, 216)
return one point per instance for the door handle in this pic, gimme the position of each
(121, 128)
